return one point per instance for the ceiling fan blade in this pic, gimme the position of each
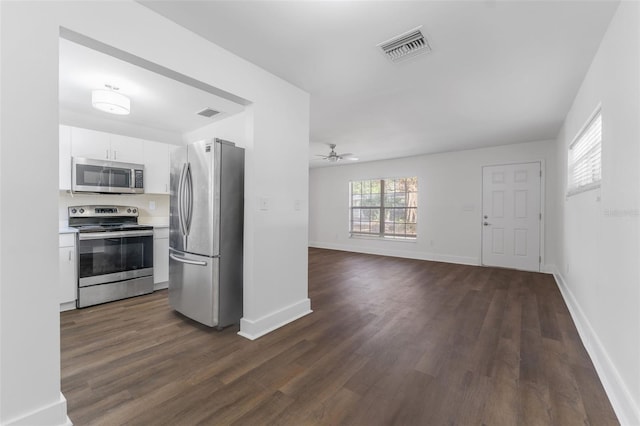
(352, 158)
(322, 156)
(348, 154)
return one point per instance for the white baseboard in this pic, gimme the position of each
(408, 254)
(161, 285)
(53, 414)
(621, 399)
(253, 329)
(68, 306)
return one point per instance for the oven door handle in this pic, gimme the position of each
(116, 234)
(190, 262)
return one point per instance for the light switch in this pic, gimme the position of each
(264, 204)
(152, 205)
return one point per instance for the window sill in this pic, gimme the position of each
(379, 238)
(585, 188)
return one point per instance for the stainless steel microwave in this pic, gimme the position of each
(111, 177)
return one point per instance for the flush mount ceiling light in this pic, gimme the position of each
(109, 100)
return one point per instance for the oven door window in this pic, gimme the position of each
(111, 255)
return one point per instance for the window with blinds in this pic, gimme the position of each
(585, 157)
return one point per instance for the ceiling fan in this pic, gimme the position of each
(335, 157)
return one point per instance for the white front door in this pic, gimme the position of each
(511, 216)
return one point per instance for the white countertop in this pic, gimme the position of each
(156, 222)
(66, 230)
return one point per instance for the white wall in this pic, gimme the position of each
(598, 254)
(29, 339)
(449, 202)
(236, 128)
(277, 152)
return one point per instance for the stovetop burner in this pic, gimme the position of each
(105, 218)
(111, 227)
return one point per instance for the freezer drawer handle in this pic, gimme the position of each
(190, 262)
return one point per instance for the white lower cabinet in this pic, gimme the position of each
(160, 258)
(67, 280)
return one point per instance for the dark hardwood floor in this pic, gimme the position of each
(391, 342)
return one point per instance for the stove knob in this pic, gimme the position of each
(128, 210)
(81, 211)
(135, 210)
(73, 211)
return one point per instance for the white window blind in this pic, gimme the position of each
(585, 157)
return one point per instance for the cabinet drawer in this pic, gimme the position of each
(67, 240)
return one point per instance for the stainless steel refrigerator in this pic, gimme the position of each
(206, 231)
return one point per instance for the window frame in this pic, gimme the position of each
(382, 208)
(572, 187)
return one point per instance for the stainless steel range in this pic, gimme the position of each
(115, 254)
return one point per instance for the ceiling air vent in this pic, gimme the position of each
(208, 112)
(405, 45)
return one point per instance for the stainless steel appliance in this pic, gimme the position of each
(103, 176)
(115, 253)
(206, 230)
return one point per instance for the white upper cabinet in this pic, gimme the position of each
(156, 167)
(87, 143)
(127, 149)
(64, 149)
(105, 146)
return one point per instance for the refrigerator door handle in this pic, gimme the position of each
(189, 198)
(190, 262)
(181, 211)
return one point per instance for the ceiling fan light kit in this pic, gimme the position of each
(109, 100)
(334, 157)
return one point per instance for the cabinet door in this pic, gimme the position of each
(127, 149)
(87, 143)
(156, 168)
(67, 277)
(64, 159)
(160, 260)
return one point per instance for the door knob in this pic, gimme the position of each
(486, 217)
(487, 224)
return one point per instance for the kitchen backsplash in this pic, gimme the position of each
(154, 208)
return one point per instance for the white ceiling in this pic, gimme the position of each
(158, 103)
(499, 73)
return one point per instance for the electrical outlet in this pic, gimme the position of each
(297, 205)
(152, 205)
